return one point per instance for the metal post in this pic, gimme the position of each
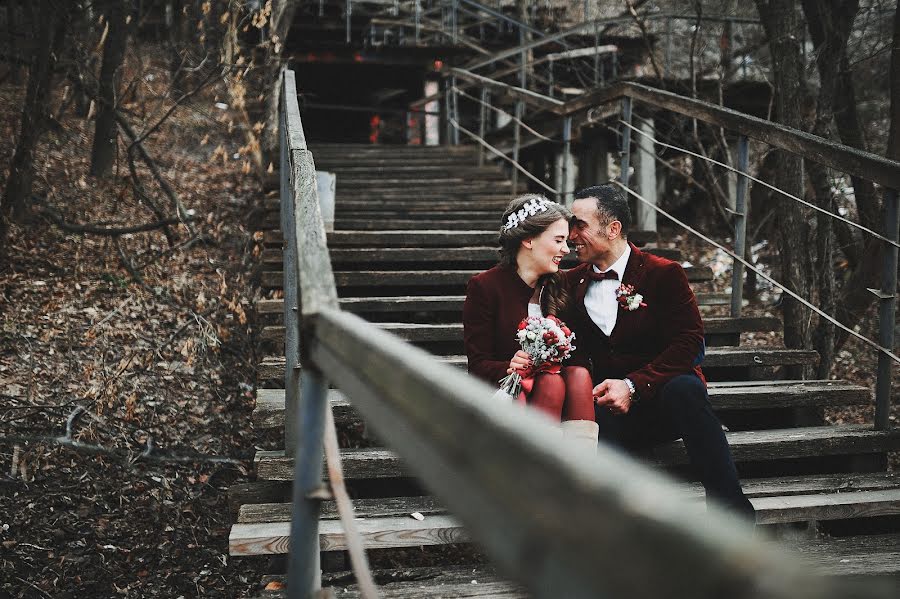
(304, 575)
(349, 8)
(483, 115)
(668, 66)
(615, 65)
(550, 79)
(740, 225)
(587, 7)
(563, 190)
(523, 58)
(446, 112)
(454, 13)
(626, 141)
(596, 54)
(321, 8)
(456, 116)
(418, 19)
(517, 137)
(887, 310)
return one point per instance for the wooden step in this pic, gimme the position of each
(485, 255)
(444, 582)
(429, 304)
(716, 357)
(265, 529)
(743, 395)
(746, 446)
(400, 171)
(271, 279)
(857, 556)
(418, 332)
(455, 237)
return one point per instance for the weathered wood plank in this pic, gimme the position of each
(812, 147)
(428, 303)
(745, 395)
(759, 490)
(441, 529)
(428, 278)
(422, 332)
(716, 357)
(481, 255)
(746, 446)
(447, 582)
(445, 238)
(866, 555)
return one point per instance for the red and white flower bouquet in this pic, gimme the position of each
(548, 341)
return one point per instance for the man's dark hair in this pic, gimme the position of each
(611, 204)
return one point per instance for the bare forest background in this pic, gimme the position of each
(131, 158)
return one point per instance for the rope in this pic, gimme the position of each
(761, 182)
(355, 545)
(522, 169)
(734, 256)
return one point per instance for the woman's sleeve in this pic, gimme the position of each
(480, 312)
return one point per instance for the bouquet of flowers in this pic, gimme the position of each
(548, 341)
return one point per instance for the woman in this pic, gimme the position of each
(533, 241)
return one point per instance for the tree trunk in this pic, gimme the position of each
(855, 299)
(15, 69)
(103, 152)
(51, 22)
(781, 23)
(830, 23)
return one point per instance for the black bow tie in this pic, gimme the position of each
(602, 276)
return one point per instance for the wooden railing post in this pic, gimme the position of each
(625, 161)
(887, 310)
(740, 225)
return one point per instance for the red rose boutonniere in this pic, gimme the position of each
(628, 299)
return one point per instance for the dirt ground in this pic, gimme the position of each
(165, 363)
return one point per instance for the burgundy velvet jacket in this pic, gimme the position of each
(650, 345)
(496, 302)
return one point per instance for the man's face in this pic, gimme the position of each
(589, 236)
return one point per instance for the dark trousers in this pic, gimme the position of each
(682, 410)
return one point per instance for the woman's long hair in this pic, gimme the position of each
(554, 298)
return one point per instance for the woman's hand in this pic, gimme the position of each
(520, 361)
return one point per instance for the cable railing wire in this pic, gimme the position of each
(759, 272)
(512, 117)
(763, 183)
(515, 164)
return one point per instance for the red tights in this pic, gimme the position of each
(566, 396)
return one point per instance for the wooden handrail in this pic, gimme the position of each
(811, 147)
(562, 521)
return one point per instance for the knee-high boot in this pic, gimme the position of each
(582, 432)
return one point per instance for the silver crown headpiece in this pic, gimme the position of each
(531, 208)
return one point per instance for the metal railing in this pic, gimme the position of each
(560, 521)
(843, 158)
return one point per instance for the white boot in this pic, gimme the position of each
(584, 433)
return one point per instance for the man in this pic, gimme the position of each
(636, 318)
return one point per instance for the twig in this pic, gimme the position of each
(144, 197)
(183, 214)
(126, 262)
(96, 229)
(646, 37)
(149, 453)
(36, 588)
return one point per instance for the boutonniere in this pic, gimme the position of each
(628, 299)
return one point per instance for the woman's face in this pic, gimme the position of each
(547, 250)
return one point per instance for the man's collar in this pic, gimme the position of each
(620, 264)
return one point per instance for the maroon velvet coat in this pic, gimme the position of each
(650, 345)
(496, 302)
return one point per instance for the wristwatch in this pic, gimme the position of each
(631, 388)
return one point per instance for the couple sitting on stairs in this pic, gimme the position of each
(634, 378)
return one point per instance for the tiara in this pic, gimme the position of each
(531, 208)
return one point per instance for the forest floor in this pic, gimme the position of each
(166, 363)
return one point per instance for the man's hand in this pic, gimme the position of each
(521, 361)
(614, 395)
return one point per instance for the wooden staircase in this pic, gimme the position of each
(413, 224)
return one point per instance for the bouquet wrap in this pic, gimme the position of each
(547, 341)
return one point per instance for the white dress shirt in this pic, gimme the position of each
(600, 300)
